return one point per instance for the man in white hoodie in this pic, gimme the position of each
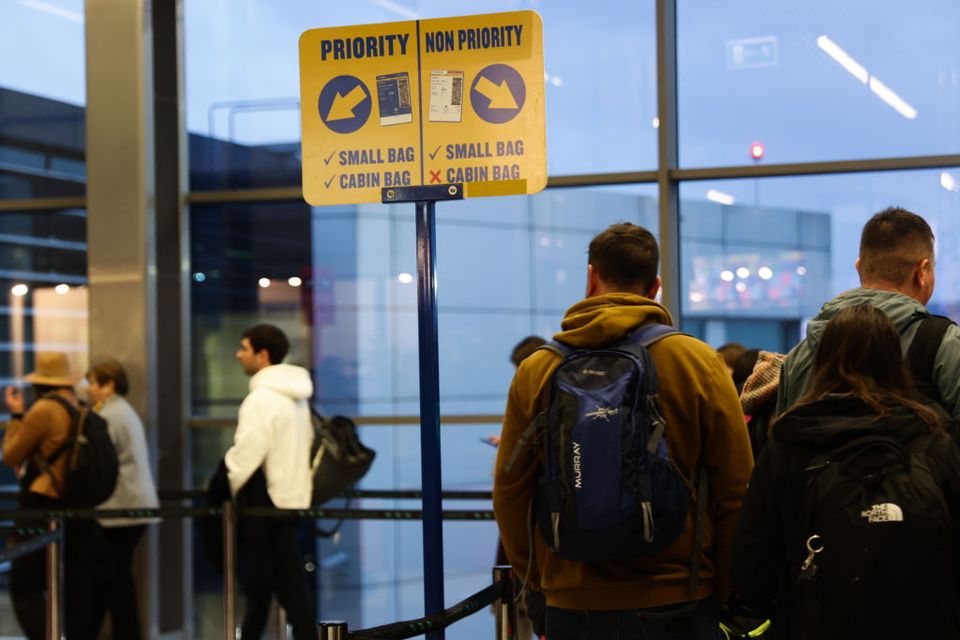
(274, 435)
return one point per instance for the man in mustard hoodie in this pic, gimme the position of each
(647, 596)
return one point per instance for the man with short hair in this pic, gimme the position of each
(644, 596)
(273, 435)
(896, 267)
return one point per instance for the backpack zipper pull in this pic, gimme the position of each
(555, 523)
(648, 530)
(808, 570)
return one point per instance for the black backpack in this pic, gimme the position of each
(338, 460)
(92, 464)
(609, 489)
(873, 528)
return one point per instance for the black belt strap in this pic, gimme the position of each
(699, 529)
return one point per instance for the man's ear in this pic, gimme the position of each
(922, 273)
(654, 289)
(593, 282)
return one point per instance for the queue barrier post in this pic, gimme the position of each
(281, 622)
(333, 630)
(506, 606)
(229, 571)
(54, 593)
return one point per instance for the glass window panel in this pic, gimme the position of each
(756, 270)
(353, 319)
(43, 307)
(42, 97)
(243, 97)
(43, 294)
(815, 81)
(506, 268)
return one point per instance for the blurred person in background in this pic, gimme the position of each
(731, 352)
(107, 387)
(31, 444)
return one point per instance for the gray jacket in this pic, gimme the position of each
(905, 313)
(135, 488)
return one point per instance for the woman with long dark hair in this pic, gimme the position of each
(847, 529)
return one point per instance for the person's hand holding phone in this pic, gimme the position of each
(13, 398)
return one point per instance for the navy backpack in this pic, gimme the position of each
(609, 489)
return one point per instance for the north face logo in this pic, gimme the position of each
(885, 512)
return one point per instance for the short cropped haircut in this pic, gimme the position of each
(525, 348)
(892, 243)
(269, 337)
(110, 370)
(625, 256)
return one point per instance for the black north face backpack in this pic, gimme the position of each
(92, 464)
(874, 537)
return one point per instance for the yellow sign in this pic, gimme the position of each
(423, 102)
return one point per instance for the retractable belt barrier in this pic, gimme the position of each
(387, 494)
(251, 512)
(501, 589)
(39, 541)
(50, 538)
(171, 495)
(420, 626)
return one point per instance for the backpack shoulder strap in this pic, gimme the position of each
(644, 336)
(923, 353)
(530, 434)
(45, 464)
(75, 418)
(557, 347)
(648, 334)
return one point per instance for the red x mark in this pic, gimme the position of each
(435, 176)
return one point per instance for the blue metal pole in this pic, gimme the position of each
(429, 412)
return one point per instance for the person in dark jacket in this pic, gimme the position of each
(814, 587)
